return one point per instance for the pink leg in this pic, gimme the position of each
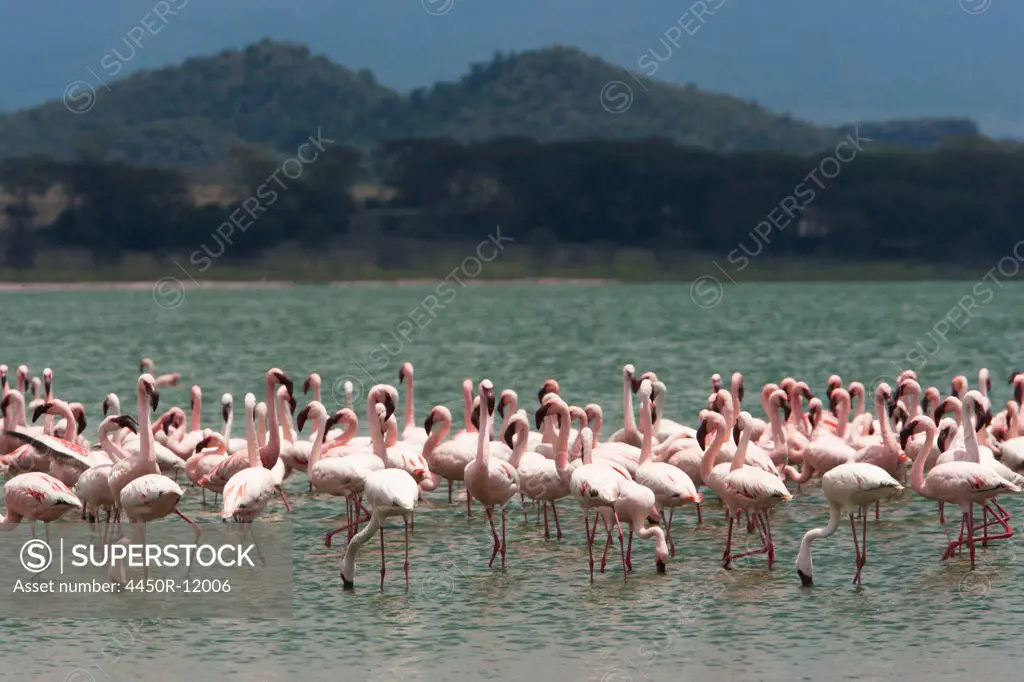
(877, 503)
(700, 518)
(629, 551)
(856, 548)
(382, 558)
(504, 546)
(558, 528)
(522, 501)
(284, 498)
(590, 542)
(607, 543)
(668, 531)
(970, 533)
(547, 534)
(494, 533)
(942, 512)
(621, 550)
(192, 523)
(449, 491)
(406, 556)
(469, 503)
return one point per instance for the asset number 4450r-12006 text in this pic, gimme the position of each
(188, 585)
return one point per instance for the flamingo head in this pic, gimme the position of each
(289, 400)
(982, 412)
(312, 380)
(899, 414)
(108, 403)
(124, 421)
(834, 382)
(5, 402)
(278, 376)
(313, 408)
(517, 424)
(959, 385)
(1011, 380)
(389, 401)
(196, 394)
(440, 414)
(508, 398)
(545, 410)
(147, 387)
(787, 384)
(226, 404)
(595, 415)
(78, 410)
(1018, 388)
(48, 381)
(716, 382)
(204, 443)
(405, 372)
(487, 393)
(549, 386)
(45, 407)
(947, 432)
(3, 376)
(146, 366)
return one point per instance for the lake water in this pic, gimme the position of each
(915, 618)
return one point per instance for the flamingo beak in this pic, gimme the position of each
(428, 423)
(300, 420)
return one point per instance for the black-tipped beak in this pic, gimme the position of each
(300, 420)
(736, 433)
(154, 397)
(905, 435)
(106, 406)
(126, 421)
(787, 410)
(347, 584)
(305, 386)
(389, 406)
(654, 413)
(540, 415)
(501, 407)
(292, 405)
(702, 435)
(660, 565)
(225, 412)
(739, 392)
(401, 374)
(507, 436)
(203, 444)
(1018, 393)
(331, 421)
(40, 411)
(635, 383)
(474, 418)
(805, 580)
(832, 402)
(80, 420)
(286, 381)
(5, 402)
(428, 423)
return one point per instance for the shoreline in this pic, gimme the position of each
(13, 287)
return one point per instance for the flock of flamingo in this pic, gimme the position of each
(637, 477)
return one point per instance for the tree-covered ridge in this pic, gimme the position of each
(273, 95)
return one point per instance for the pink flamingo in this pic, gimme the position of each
(36, 496)
(671, 487)
(887, 455)
(959, 482)
(538, 475)
(410, 430)
(856, 484)
(490, 480)
(146, 367)
(205, 460)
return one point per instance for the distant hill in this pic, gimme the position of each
(274, 95)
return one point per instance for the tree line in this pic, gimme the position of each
(958, 204)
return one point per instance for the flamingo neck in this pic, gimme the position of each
(410, 405)
(197, 413)
(437, 434)
(115, 450)
(376, 438)
(510, 409)
(228, 423)
(741, 450)
(888, 439)
(286, 421)
(482, 454)
(274, 438)
(348, 564)
(646, 441)
(318, 442)
(146, 449)
(708, 463)
(628, 421)
(467, 404)
(803, 557)
(843, 417)
(562, 451)
(522, 435)
(917, 480)
(251, 440)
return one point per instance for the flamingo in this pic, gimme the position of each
(671, 487)
(855, 484)
(92, 487)
(410, 431)
(492, 481)
(666, 428)
(959, 482)
(390, 492)
(508, 403)
(146, 367)
(628, 433)
(36, 496)
(538, 476)
(247, 492)
(205, 460)
(341, 476)
(449, 458)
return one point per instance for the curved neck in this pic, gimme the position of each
(562, 451)
(917, 470)
(914, 402)
(316, 397)
(803, 557)
(510, 409)
(437, 434)
(116, 452)
(318, 442)
(741, 450)
(286, 420)
(659, 404)
(348, 564)
(973, 454)
(778, 432)
(708, 463)
(373, 420)
(734, 389)
(522, 435)
(843, 416)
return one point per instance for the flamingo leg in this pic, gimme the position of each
(863, 547)
(728, 545)
(449, 491)
(622, 551)
(668, 532)
(469, 503)
(382, 558)
(494, 534)
(558, 527)
(856, 548)
(522, 502)
(970, 533)
(547, 534)
(199, 531)
(284, 498)
(984, 524)
(504, 545)
(590, 542)
(942, 512)
(607, 544)
(406, 556)
(877, 504)
(629, 552)
(700, 518)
